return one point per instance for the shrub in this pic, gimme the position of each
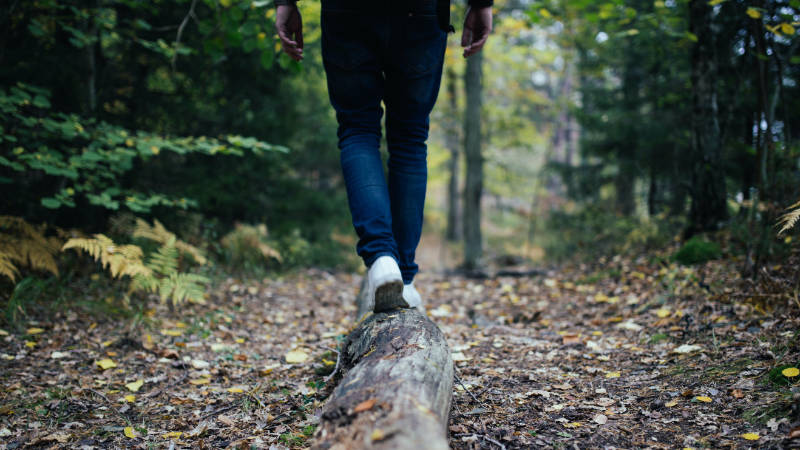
(697, 250)
(25, 245)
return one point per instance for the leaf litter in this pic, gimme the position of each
(651, 355)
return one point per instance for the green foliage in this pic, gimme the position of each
(697, 250)
(247, 247)
(86, 160)
(776, 377)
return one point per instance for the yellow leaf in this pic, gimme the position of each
(239, 340)
(612, 374)
(601, 298)
(328, 362)
(172, 332)
(106, 364)
(106, 343)
(670, 404)
(199, 381)
(155, 150)
(34, 331)
(235, 390)
(296, 356)
(753, 13)
(751, 436)
(129, 432)
(715, 2)
(129, 142)
(663, 312)
(30, 344)
(172, 434)
(787, 29)
(790, 372)
(3, 332)
(130, 398)
(703, 398)
(225, 3)
(545, 13)
(262, 36)
(378, 435)
(135, 386)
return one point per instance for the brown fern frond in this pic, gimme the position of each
(790, 219)
(120, 260)
(23, 244)
(7, 268)
(158, 233)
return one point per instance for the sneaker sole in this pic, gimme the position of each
(389, 296)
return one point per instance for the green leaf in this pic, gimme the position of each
(49, 202)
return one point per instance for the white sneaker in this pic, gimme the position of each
(412, 297)
(385, 285)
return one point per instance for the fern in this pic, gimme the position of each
(23, 244)
(157, 233)
(120, 260)
(790, 219)
(158, 275)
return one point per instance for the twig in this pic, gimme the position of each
(484, 437)
(190, 14)
(468, 391)
(110, 403)
(217, 411)
(336, 368)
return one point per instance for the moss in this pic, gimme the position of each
(697, 250)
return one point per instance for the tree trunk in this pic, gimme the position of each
(451, 138)
(709, 206)
(396, 389)
(473, 188)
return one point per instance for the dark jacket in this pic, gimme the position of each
(442, 10)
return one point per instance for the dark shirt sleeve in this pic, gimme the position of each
(481, 3)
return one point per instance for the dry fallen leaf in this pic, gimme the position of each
(600, 419)
(106, 364)
(671, 403)
(129, 432)
(378, 435)
(235, 390)
(612, 374)
(199, 381)
(135, 385)
(34, 331)
(296, 356)
(686, 348)
(365, 405)
(130, 398)
(703, 398)
(751, 436)
(172, 435)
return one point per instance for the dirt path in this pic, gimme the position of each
(634, 355)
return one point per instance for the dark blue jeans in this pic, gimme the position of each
(390, 54)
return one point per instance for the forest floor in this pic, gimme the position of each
(623, 353)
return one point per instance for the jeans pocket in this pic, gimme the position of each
(343, 43)
(421, 48)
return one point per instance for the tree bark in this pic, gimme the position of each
(396, 389)
(709, 206)
(473, 189)
(451, 138)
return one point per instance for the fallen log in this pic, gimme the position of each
(396, 387)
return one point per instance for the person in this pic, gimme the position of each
(390, 52)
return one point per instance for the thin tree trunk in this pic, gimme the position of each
(473, 188)
(709, 206)
(451, 137)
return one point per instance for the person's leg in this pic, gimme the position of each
(412, 84)
(350, 52)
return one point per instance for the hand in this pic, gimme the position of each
(477, 26)
(290, 30)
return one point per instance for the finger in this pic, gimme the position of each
(299, 37)
(285, 40)
(466, 36)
